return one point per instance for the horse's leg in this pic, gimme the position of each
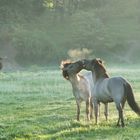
(96, 111)
(106, 111)
(118, 123)
(88, 109)
(99, 113)
(120, 110)
(122, 119)
(123, 103)
(78, 109)
(91, 109)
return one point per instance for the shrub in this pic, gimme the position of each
(33, 47)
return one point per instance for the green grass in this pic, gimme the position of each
(40, 105)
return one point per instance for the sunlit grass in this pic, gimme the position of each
(40, 105)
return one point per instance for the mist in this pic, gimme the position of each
(43, 32)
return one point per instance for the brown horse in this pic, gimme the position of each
(106, 89)
(80, 85)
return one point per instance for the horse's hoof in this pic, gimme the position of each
(91, 117)
(118, 125)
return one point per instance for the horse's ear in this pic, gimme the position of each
(99, 60)
(64, 63)
(61, 65)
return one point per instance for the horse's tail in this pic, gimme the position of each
(131, 100)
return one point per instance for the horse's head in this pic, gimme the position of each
(70, 68)
(91, 64)
(95, 65)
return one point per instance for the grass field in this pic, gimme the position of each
(39, 105)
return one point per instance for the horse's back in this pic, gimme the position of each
(116, 87)
(109, 89)
(116, 81)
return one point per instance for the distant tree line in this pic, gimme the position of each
(46, 31)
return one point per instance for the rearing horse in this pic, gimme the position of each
(106, 89)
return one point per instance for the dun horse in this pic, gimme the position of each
(80, 84)
(106, 89)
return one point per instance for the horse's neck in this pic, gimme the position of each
(93, 77)
(75, 79)
(96, 77)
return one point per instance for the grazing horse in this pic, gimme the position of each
(106, 89)
(80, 85)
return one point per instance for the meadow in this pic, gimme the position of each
(39, 105)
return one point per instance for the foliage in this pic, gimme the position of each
(33, 47)
(109, 28)
(19, 11)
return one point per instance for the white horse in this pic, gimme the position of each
(80, 85)
(106, 89)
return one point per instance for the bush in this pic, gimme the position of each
(33, 47)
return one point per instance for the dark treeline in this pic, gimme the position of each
(46, 31)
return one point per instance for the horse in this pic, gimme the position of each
(110, 89)
(89, 77)
(80, 85)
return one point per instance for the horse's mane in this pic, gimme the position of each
(65, 63)
(81, 76)
(100, 70)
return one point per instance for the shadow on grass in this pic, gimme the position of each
(60, 127)
(82, 130)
